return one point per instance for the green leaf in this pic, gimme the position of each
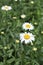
(11, 60)
(1, 63)
(9, 52)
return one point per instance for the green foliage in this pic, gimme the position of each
(11, 51)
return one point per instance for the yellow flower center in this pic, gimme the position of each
(6, 7)
(28, 26)
(26, 36)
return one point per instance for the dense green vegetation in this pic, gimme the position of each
(12, 51)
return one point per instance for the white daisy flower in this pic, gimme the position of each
(2, 32)
(23, 16)
(41, 32)
(32, 2)
(6, 7)
(27, 26)
(34, 49)
(14, 17)
(17, 41)
(16, 0)
(26, 37)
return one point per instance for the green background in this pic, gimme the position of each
(12, 53)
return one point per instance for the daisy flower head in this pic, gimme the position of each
(34, 49)
(14, 17)
(6, 8)
(32, 2)
(16, 0)
(2, 32)
(23, 16)
(17, 41)
(26, 37)
(27, 26)
(41, 32)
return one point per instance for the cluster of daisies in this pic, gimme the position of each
(9, 7)
(26, 37)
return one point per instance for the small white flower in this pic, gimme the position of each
(41, 32)
(16, 0)
(17, 41)
(27, 26)
(6, 7)
(35, 23)
(23, 16)
(34, 49)
(2, 32)
(32, 2)
(14, 17)
(5, 47)
(26, 37)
